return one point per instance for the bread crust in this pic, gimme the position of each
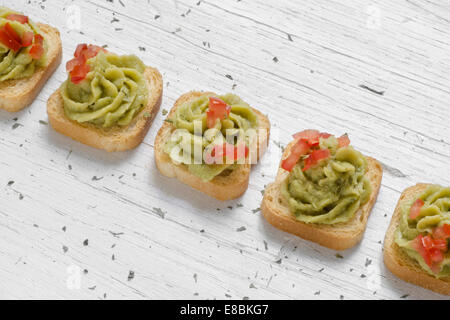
(402, 265)
(339, 236)
(115, 138)
(221, 187)
(18, 94)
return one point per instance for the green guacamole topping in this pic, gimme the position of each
(434, 213)
(113, 92)
(331, 191)
(193, 139)
(18, 65)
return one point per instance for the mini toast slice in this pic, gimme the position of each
(112, 139)
(222, 187)
(18, 94)
(398, 261)
(339, 236)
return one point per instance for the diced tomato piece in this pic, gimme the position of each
(87, 51)
(444, 231)
(39, 40)
(220, 151)
(418, 246)
(10, 38)
(241, 151)
(440, 244)
(37, 50)
(17, 17)
(210, 119)
(321, 154)
(218, 109)
(325, 135)
(12, 33)
(343, 141)
(307, 134)
(27, 39)
(309, 162)
(446, 228)
(70, 65)
(315, 157)
(92, 51)
(427, 242)
(6, 40)
(79, 50)
(431, 250)
(310, 136)
(436, 255)
(216, 102)
(217, 152)
(79, 73)
(235, 153)
(439, 233)
(415, 209)
(300, 148)
(77, 66)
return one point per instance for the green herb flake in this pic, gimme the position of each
(256, 210)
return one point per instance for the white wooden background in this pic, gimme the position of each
(81, 223)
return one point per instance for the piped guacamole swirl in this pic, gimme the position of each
(333, 190)
(113, 92)
(20, 64)
(194, 139)
(434, 214)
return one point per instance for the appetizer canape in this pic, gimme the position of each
(108, 101)
(324, 190)
(209, 142)
(29, 54)
(416, 244)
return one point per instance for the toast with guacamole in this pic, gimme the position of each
(416, 247)
(108, 101)
(29, 54)
(210, 142)
(324, 190)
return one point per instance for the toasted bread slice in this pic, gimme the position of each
(398, 261)
(112, 139)
(222, 187)
(339, 236)
(18, 94)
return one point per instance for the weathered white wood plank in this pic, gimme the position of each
(305, 64)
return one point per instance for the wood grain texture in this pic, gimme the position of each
(332, 65)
